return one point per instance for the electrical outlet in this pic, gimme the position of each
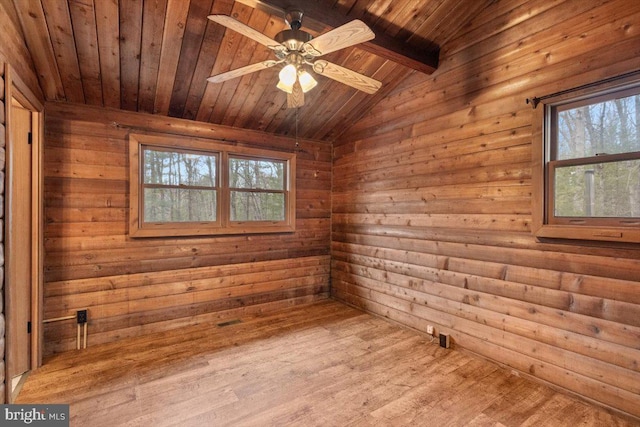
(430, 329)
(81, 317)
(444, 340)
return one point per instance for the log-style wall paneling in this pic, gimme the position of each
(13, 51)
(134, 286)
(431, 204)
(2, 175)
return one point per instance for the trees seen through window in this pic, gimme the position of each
(609, 185)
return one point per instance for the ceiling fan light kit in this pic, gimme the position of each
(288, 76)
(297, 50)
(307, 82)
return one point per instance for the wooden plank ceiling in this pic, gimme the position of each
(154, 56)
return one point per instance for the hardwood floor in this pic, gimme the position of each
(324, 364)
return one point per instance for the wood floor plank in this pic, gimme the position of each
(318, 364)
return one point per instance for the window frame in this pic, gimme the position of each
(215, 187)
(230, 156)
(223, 225)
(544, 223)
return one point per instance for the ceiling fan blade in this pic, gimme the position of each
(238, 72)
(345, 35)
(346, 76)
(245, 30)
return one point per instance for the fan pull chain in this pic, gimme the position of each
(297, 143)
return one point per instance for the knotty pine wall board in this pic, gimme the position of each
(135, 286)
(432, 199)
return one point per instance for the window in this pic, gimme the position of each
(587, 164)
(189, 186)
(179, 185)
(257, 189)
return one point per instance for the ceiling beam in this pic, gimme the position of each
(317, 17)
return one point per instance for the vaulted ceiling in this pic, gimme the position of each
(155, 56)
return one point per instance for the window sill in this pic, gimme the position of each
(607, 234)
(235, 229)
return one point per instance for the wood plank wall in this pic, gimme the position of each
(432, 197)
(134, 286)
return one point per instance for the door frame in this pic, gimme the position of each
(16, 88)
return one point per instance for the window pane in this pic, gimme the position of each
(179, 168)
(598, 190)
(256, 174)
(607, 127)
(179, 205)
(253, 206)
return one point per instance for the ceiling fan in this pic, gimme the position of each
(298, 52)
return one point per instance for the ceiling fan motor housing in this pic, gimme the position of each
(293, 39)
